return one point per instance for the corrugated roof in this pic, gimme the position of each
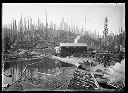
(73, 44)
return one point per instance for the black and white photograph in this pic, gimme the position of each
(63, 47)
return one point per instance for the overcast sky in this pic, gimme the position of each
(95, 14)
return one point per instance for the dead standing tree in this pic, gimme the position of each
(46, 33)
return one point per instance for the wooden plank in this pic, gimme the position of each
(98, 86)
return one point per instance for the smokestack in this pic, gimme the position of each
(78, 37)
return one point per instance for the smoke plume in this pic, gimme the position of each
(76, 40)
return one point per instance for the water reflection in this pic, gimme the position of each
(15, 68)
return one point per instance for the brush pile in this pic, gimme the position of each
(82, 81)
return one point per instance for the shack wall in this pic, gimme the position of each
(75, 51)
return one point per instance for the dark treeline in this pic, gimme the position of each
(27, 35)
(113, 42)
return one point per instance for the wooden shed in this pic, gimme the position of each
(72, 49)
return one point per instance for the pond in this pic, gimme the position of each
(16, 68)
(33, 65)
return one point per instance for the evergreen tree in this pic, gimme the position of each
(105, 32)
